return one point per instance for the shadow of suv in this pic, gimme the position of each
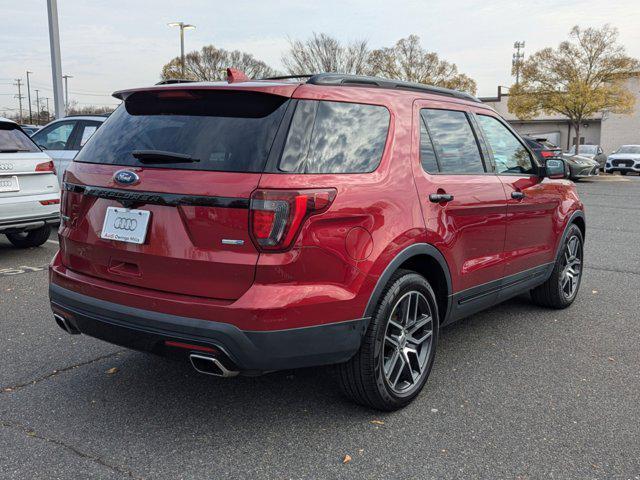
(253, 226)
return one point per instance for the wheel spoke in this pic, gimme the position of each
(392, 341)
(417, 341)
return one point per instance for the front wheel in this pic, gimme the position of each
(30, 238)
(560, 290)
(398, 349)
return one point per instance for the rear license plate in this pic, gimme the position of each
(125, 225)
(9, 184)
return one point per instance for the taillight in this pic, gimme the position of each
(46, 167)
(547, 153)
(277, 215)
(55, 201)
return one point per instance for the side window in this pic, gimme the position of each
(335, 137)
(427, 153)
(88, 129)
(454, 142)
(56, 137)
(509, 154)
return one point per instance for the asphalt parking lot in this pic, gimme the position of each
(516, 392)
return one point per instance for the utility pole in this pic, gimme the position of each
(19, 96)
(183, 26)
(29, 98)
(56, 62)
(516, 61)
(38, 106)
(66, 93)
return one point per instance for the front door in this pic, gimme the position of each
(532, 201)
(463, 203)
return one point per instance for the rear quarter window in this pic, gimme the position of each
(335, 137)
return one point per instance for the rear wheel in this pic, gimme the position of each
(30, 238)
(398, 349)
(560, 290)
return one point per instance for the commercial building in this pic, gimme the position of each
(607, 129)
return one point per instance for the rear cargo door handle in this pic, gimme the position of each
(517, 195)
(440, 197)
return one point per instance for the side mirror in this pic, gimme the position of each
(555, 168)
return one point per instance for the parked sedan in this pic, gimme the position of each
(542, 148)
(63, 138)
(580, 166)
(624, 160)
(590, 151)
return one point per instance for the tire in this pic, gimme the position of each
(559, 291)
(378, 375)
(30, 238)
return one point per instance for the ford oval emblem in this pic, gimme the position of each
(126, 177)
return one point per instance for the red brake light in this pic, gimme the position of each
(46, 167)
(547, 153)
(55, 201)
(278, 215)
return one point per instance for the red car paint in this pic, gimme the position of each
(331, 270)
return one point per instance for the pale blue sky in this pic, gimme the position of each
(112, 44)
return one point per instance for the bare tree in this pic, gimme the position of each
(407, 60)
(76, 109)
(322, 53)
(210, 64)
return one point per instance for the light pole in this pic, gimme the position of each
(183, 26)
(56, 63)
(38, 105)
(516, 62)
(66, 93)
(29, 98)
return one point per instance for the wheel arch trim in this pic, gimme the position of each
(404, 255)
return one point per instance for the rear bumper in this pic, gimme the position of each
(248, 350)
(29, 223)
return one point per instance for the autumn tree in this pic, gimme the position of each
(583, 76)
(210, 64)
(407, 60)
(323, 53)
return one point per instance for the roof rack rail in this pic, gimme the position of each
(365, 81)
(287, 77)
(171, 81)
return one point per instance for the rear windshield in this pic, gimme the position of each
(12, 139)
(219, 130)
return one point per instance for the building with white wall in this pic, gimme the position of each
(609, 130)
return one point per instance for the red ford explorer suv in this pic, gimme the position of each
(253, 226)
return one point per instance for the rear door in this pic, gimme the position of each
(532, 201)
(193, 158)
(463, 201)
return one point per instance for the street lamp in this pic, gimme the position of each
(183, 26)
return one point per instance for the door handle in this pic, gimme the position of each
(440, 197)
(517, 195)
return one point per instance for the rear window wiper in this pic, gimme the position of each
(161, 156)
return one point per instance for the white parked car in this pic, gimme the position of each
(62, 139)
(29, 192)
(624, 160)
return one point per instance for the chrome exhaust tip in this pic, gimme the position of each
(65, 325)
(210, 366)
